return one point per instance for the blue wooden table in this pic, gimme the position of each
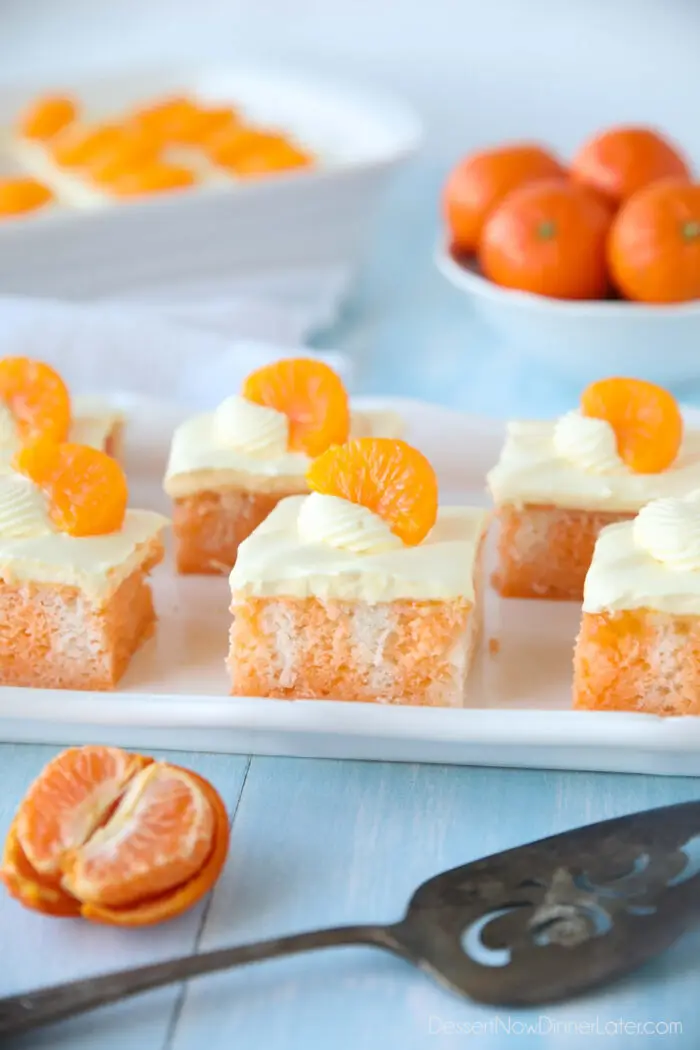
(316, 842)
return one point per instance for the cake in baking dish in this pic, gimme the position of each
(74, 599)
(557, 484)
(363, 589)
(639, 644)
(229, 468)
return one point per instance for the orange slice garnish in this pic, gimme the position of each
(79, 147)
(251, 151)
(47, 116)
(85, 489)
(387, 476)
(156, 177)
(283, 156)
(18, 196)
(312, 397)
(37, 397)
(121, 839)
(646, 419)
(167, 119)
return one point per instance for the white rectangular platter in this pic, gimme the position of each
(518, 708)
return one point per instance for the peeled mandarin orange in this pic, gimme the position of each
(312, 397)
(47, 116)
(37, 397)
(120, 839)
(159, 836)
(646, 419)
(19, 196)
(152, 177)
(69, 800)
(86, 489)
(385, 475)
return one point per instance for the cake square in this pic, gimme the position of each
(221, 491)
(399, 626)
(638, 648)
(74, 610)
(556, 485)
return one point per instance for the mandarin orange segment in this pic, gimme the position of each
(158, 837)
(281, 157)
(69, 800)
(167, 119)
(47, 116)
(19, 196)
(79, 147)
(37, 397)
(312, 397)
(39, 893)
(646, 419)
(169, 905)
(86, 489)
(130, 152)
(155, 177)
(205, 123)
(385, 475)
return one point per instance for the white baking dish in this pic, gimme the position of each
(309, 218)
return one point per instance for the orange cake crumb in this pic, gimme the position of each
(638, 660)
(545, 551)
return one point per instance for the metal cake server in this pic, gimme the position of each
(532, 925)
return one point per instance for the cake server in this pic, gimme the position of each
(532, 925)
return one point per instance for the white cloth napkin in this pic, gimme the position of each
(192, 352)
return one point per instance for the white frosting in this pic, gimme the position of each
(199, 460)
(23, 510)
(669, 530)
(586, 442)
(344, 525)
(254, 430)
(94, 421)
(278, 560)
(532, 470)
(96, 565)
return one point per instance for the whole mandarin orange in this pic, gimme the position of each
(654, 243)
(482, 180)
(623, 160)
(548, 238)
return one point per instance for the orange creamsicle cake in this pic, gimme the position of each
(557, 484)
(74, 602)
(230, 467)
(362, 590)
(639, 644)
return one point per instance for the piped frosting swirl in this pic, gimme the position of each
(344, 525)
(669, 530)
(587, 442)
(252, 429)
